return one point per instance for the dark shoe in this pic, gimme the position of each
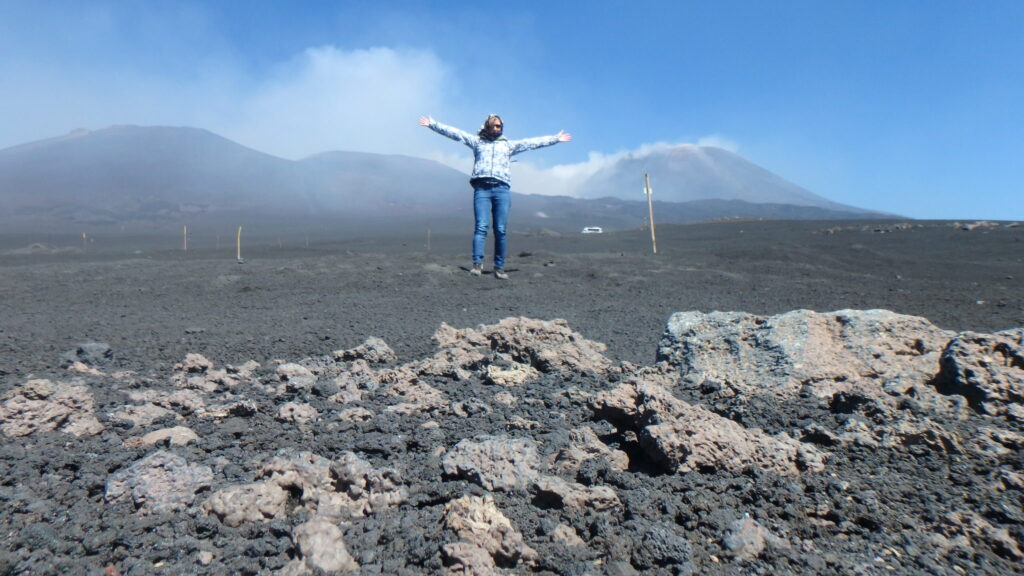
(477, 269)
(500, 274)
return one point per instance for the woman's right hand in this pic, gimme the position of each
(425, 120)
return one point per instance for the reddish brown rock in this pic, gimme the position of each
(683, 437)
(478, 522)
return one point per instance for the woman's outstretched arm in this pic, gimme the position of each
(449, 131)
(539, 142)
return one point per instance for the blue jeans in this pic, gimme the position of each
(490, 203)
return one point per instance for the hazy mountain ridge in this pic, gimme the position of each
(686, 173)
(132, 171)
(144, 177)
(351, 179)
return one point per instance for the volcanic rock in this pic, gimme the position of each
(961, 529)
(869, 457)
(548, 346)
(296, 412)
(496, 463)
(746, 538)
(420, 398)
(345, 488)
(988, 369)
(587, 446)
(321, 546)
(818, 353)
(374, 351)
(295, 378)
(183, 401)
(683, 437)
(254, 502)
(159, 483)
(92, 354)
(480, 525)
(177, 436)
(41, 405)
(141, 415)
(555, 492)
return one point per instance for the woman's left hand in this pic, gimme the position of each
(564, 136)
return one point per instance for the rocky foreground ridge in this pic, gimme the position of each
(845, 442)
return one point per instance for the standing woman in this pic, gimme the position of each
(492, 157)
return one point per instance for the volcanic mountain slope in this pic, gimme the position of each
(365, 182)
(130, 173)
(162, 177)
(687, 173)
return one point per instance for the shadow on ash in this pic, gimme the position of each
(805, 443)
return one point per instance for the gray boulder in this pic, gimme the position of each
(496, 463)
(159, 483)
(824, 352)
(94, 354)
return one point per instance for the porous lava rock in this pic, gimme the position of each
(496, 463)
(818, 353)
(481, 527)
(683, 437)
(802, 443)
(988, 369)
(320, 544)
(159, 483)
(41, 405)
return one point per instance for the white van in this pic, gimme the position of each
(593, 230)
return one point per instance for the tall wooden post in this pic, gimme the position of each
(238, 245)
(650, 210)
(184, 238)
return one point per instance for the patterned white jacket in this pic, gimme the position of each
(492, 158)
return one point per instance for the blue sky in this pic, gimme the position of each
(909, 107)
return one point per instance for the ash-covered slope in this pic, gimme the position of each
(357, 180)
(562, 213)
(688, 173)
(151, 178)
(129, 173)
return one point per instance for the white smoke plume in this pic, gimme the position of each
(329, 99)
(566, 179)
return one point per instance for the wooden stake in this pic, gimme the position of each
(650, 210)
(238, 244)
(184, 238)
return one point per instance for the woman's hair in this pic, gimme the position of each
(485, 130)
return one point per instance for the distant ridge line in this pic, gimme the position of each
(145, 177)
